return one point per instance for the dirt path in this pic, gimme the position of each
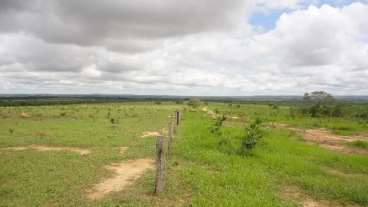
(124, 174)
(327, 139)
(43, 148)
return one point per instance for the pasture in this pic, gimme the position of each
(103, 155)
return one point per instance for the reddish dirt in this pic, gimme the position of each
(327, 139)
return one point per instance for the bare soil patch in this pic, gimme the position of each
(327, 139)
(124, 174)
(43, 148)
(302, 199)
(162, 132)
(25, 115)
(333, 142)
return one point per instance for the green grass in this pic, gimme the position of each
(224, 178)
(200, 173)
(31, 178)
(340, 125)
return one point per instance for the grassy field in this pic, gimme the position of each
(283, 169)
(33, 178)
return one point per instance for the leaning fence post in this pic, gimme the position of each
(160, 165)
(170, 136)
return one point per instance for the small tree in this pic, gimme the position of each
(251, 138)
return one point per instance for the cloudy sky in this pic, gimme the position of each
(176, 47)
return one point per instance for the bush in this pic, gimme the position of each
(251, 138)
(218, 124)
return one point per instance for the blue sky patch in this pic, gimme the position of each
(267, 20)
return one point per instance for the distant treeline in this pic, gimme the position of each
(35, 100)
(38, 101)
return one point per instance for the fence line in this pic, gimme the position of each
(160, 152)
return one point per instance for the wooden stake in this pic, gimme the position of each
(160, 165)
(177, 118)
(170, 136)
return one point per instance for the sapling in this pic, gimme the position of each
(252, 136)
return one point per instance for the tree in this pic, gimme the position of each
(194, 102)
(318, 97)
(320, 103)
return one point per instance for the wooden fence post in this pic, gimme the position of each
(174, 121)
(160, 165)
(177, 117)
(170, 137)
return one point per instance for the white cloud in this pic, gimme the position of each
(91, 72)
(313, 48)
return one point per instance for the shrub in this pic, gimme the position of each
(112, 120)
(218, 124)
(252, 136)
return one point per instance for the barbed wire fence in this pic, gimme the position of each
(164, 154)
